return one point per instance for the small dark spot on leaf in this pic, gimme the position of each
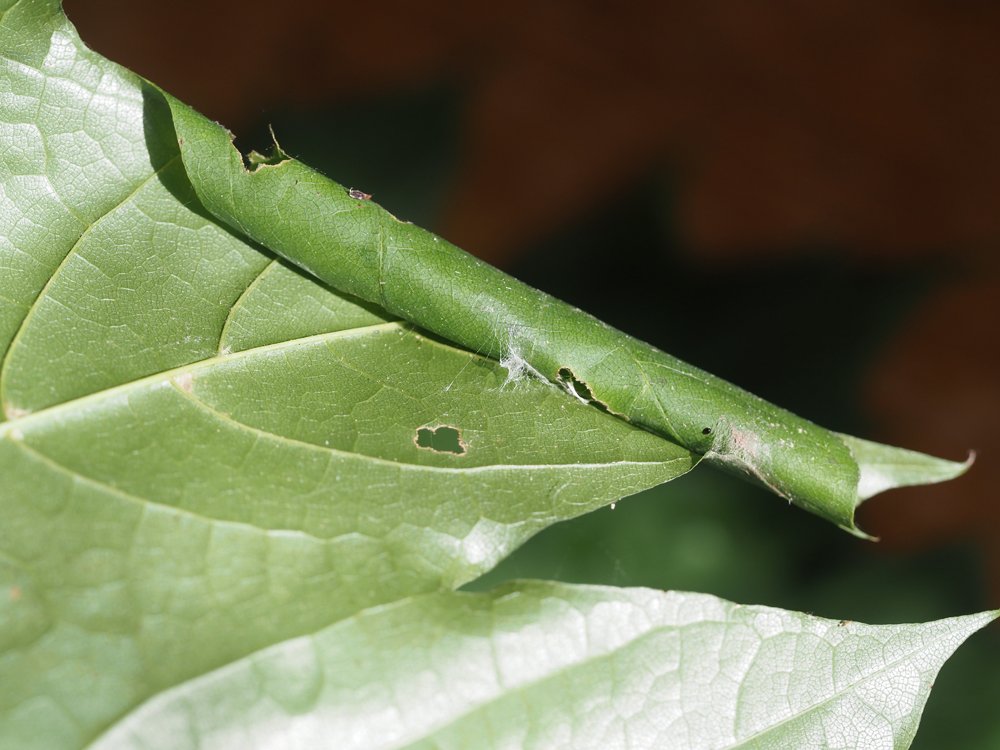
(707, 431)
(359, 195)
(441, 439)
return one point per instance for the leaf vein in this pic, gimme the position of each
(404, 465)
(144, 503)
(33, 306)
(239, 303)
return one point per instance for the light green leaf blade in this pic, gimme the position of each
(539, 665)
(204, 452)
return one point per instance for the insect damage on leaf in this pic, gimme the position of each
(579, 389)
(574, 386)
(741, 448)
(441, 439)
(184, 381)
(511, 340)
(517, 367)
(275, 155)
(14, 412)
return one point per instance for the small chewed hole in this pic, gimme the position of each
(272, 156)
(707, 431)
(574, 385)
(441, 439)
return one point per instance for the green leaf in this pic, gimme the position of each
(206, 453)
(535, 665)
(354, 245)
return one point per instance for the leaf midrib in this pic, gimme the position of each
(15, 429)
(56, 410)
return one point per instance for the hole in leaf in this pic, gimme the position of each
(271, 157)
(256, 159)
(441, 439)
(578, 388)
(574, 385)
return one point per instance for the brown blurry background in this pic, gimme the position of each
(802, 197)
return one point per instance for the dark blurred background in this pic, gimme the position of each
(801, 197)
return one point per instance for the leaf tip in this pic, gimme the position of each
(885, 467)
(860, 534)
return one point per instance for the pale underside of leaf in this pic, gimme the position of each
(544, 666)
